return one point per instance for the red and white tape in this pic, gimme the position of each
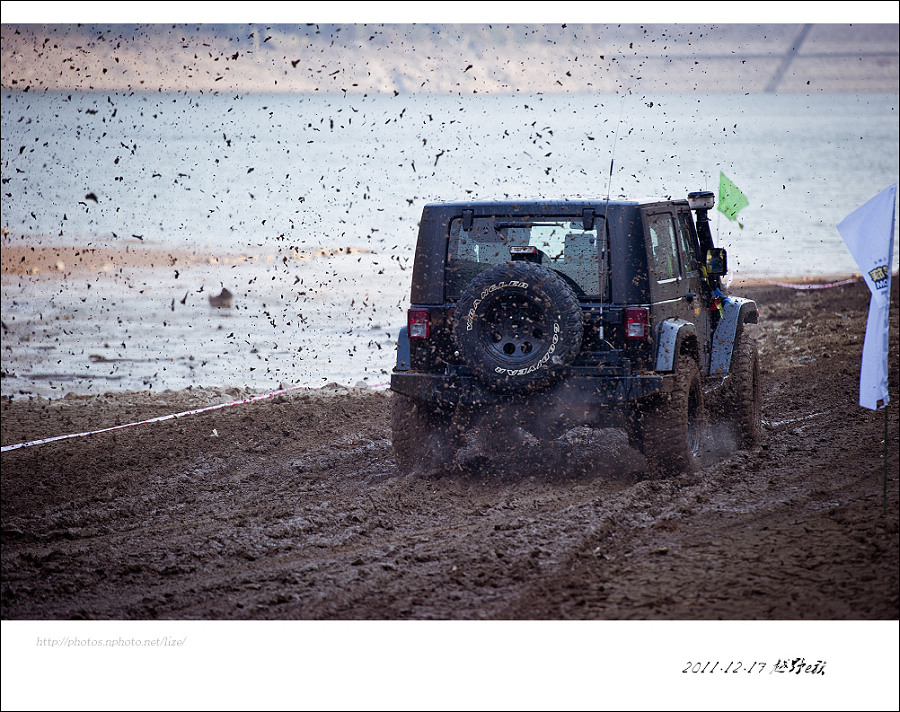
(849, 280)
(789, 285)
(172, 416)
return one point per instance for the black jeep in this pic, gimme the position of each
(550, 315)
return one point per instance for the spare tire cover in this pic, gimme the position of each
(517, 326)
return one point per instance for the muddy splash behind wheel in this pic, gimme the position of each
(518, 326)
(423, 437)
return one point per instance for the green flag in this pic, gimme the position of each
(731, 199)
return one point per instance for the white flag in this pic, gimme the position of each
(869, 234)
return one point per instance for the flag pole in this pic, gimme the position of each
(864, 231)
(887, 366)
(884, 483)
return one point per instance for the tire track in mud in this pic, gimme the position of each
(279, 529)
(780, 532)
(329, 530)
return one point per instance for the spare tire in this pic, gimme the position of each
(518, 325)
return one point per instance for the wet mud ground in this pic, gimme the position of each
(293, 508)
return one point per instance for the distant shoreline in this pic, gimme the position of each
(65, 260)
(447, 59)
(62, 261)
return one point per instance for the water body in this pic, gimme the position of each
(279, 176)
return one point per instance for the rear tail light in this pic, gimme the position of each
(418, 323)
(637, 322)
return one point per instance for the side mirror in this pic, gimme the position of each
(716, 261)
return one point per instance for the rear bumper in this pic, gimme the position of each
(467, 390)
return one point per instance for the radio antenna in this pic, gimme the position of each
(604, 239)
(612, 156)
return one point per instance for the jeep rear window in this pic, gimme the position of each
(563, 246)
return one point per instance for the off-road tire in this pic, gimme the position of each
(423, 437)
(743, 400)
(517, 326)
(672, 426)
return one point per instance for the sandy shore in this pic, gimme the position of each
(65, 260)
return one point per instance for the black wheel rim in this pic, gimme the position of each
(513, 330)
